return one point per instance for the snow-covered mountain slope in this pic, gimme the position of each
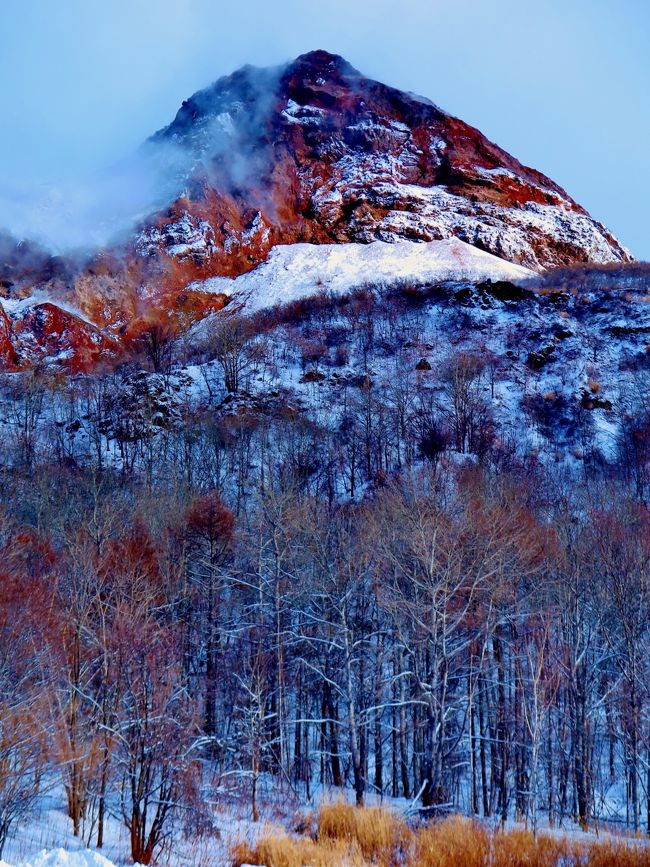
(298, 270)
(559, 370)
(323, 153)
(311, 152)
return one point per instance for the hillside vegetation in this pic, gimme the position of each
(395, 542)
(344, 836)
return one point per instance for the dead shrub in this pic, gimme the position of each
(377, 833)
(346, 836)
(452, 842)
(284, 851)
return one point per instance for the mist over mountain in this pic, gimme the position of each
(85, 213)
(324, 483)
(307, 152)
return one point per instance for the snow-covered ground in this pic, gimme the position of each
(45, 837)
(296, 271)
(46, 840)
(63, 858)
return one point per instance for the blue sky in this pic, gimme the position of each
(562, 84)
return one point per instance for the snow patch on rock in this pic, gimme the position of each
(296, 271)
(17, 307)
(181, 239)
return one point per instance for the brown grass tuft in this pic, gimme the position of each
(452, 842)
(518, 848)
(281, 850)
(618, 855)
(376, 832)
(374, 837)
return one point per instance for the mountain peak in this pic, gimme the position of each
(325, 154)
(322, 62)
(310, 152)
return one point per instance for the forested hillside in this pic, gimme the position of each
(386, 541)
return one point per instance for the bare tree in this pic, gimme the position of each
(229, 342)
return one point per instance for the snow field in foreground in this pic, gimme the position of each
(63, 858)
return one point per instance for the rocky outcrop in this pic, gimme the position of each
(46, 332)
(318, 153)
(8, 357)
(309, 152)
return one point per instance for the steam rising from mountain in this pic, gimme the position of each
(91, 211)
(311, 153)
(95, 210)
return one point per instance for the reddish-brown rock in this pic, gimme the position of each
(8, 356)
(309, 152)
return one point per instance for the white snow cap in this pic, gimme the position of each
(296, 271)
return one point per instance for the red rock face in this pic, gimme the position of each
(316, 152)
(309, 152)
(8, 357)
(63, 338)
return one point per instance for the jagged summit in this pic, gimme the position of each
(250, 84)
(321, 60)
(336, 156)
(307, 152)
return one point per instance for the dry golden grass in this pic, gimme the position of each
(378, 834)
(519, 848)
(450, 843)
(346, 836)
(618, 855)
(284, 851)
